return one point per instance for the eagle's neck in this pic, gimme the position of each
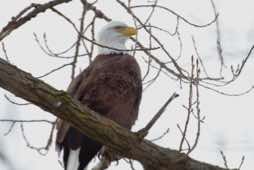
(112, 47)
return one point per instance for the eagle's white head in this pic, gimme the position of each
(114, 35)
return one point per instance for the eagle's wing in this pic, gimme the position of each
(61, 125)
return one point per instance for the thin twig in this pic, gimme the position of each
(41, 150)
(93, 38)
(218, 33)
(224, 159)
(199, 58)
(16, 103)
(81, 28)
(189, 109)
(10, 129)
(149, 59)
(98, 13)
(152, 80)
(146, 129)
(5, 53)
(131, 164)
(54, 70)
(27, 121)
(59, 55)
(50, 138)
(151, 13)
(183, 137)
(197, 103)
(241, 163)
(48, 50)
(161, 136)
(177, 15)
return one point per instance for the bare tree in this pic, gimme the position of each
(121, 143)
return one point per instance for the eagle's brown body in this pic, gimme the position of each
(111, 86)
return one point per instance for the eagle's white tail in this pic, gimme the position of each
(73, 159)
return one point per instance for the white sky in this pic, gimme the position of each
(229, 120)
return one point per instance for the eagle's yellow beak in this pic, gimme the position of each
(128, 31)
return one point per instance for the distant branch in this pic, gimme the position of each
(176, 14)
(22, 17)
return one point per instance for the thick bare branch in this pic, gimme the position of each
(120, 140)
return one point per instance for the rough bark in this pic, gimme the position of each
(122, 141)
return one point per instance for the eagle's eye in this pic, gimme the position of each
(118, 27)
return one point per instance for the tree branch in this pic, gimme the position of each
(19, 19)
(120, 140)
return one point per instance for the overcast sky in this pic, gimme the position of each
(229, 120)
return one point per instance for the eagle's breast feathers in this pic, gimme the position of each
(111, 86)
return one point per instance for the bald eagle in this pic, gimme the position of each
(111, 85)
